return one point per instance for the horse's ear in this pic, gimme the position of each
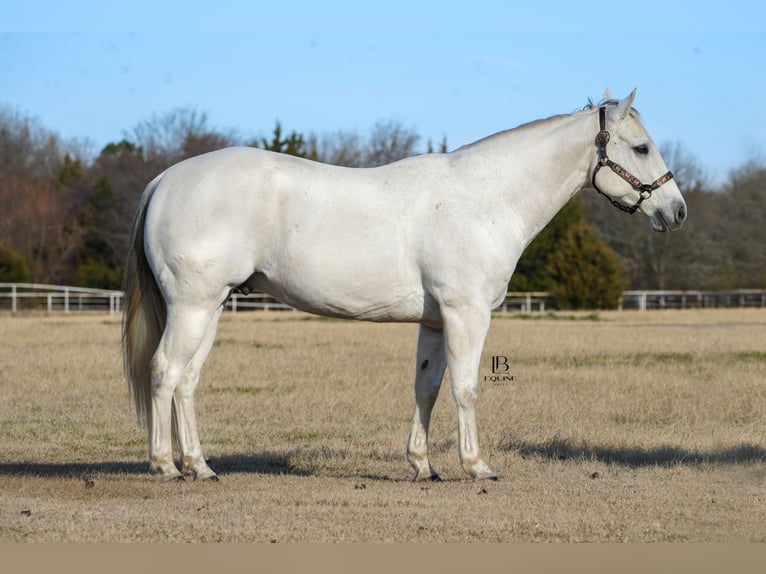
(607, 95)
(623, 108)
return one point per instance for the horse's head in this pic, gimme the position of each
(629, 170)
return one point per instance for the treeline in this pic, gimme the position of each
(65, 214)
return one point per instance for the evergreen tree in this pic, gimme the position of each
(292, 144)
(569, 260)
(584, 272)
(13, 268)
(96, 262)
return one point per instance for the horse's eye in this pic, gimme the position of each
(642, 149)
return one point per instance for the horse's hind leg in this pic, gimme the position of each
(431, 363)
(186, 330)
(192, 459)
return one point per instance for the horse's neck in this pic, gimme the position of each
(538, 167)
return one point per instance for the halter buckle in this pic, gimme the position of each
(602, 138)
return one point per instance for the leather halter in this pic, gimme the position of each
(644, 189)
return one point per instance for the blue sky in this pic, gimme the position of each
(464, 70)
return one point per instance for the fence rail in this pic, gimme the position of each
(18, 297)
(58, 298)
(650, 300)
(646, 300)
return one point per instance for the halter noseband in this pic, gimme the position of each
(644, 189)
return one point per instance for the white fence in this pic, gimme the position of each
(57, 298)
(649, 300)
(255, 301)
(65, 299)
(645, 300)
(18, 297)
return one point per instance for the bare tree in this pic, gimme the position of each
(338, 148)
(41, 221)
(687, 169)
(26, 148)
(390, 141)
(742, 225)
(38, 210)
(183, 132)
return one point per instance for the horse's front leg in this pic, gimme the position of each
(431, 363)
(465, 329)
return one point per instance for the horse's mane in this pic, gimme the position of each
(591, 105)
(610, 102)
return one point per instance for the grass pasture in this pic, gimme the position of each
(637, 427)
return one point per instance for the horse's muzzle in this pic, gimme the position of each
(669, 219)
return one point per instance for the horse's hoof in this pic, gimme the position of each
(206, 474)
(487, 476)
(173, 478)
(481, 471)
(430, 476)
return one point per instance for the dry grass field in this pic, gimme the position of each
(637, 427)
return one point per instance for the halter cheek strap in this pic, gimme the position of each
(644, 189)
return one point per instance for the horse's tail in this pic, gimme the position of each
(143, 320)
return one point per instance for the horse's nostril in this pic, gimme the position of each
(681, 214)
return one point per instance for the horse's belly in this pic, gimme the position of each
(407, 309)
(338, 296)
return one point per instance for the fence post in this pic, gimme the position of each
(13, 300)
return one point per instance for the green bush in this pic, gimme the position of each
(13, 267)
(97, 274)
(584, 272)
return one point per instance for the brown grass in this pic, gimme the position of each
(626, 426)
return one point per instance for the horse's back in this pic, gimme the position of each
(330, 240)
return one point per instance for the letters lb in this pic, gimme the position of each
(500, 364)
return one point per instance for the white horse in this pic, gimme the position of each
(431, 239)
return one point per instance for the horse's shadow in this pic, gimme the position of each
(636, 456)
(259, 463)
(70, 469)
(267, 463)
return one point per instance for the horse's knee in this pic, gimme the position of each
(465, 396)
